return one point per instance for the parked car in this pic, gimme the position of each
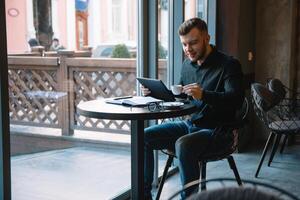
(105, 50)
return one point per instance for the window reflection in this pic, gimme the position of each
(162, 45)
(196, 8)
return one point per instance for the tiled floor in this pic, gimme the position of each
(83, 173)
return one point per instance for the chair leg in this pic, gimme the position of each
(163, 178)
(283, 143)
(271, 136)
(274, 148)
(203, 175)
(234, 169)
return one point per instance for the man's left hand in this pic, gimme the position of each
(194, 90)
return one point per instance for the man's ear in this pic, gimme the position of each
(207, 38)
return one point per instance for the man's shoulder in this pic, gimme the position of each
(228, 60)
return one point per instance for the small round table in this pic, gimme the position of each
(101, 110)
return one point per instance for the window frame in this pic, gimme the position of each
(5, 178)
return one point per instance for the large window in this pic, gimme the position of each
(53, 147)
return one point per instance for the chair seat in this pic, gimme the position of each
(285, 126)
(210, 156)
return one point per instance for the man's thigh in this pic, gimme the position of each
(195, 143)
(164, 136)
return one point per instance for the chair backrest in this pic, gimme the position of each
(242, 113)
(263, 100)
(241, 117)
(273, 110)
(262, 97)
(225, 189)
(240, 121)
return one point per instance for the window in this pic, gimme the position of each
(116, 16)
(50, 142)
(196, 8)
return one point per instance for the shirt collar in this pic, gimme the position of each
(210, 58)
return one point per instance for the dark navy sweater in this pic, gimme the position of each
(219, 104)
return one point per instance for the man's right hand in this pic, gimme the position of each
(145, 91)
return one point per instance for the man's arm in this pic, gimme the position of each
(233, 93)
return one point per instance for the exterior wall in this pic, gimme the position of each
(16, 42)
(62, 5)
(18, 32)
(63, 18)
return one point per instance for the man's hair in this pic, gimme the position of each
(189, 24)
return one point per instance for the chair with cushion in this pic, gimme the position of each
(290, 97)
(277, 114)
(213, 156)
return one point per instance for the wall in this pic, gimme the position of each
(236, 36)
(274, 40)
(275, 44)
(270, 30)
(236, 32)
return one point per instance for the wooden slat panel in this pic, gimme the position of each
(32, 61)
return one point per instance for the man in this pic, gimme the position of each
(33, 42)
(213, 82)
(55, 46)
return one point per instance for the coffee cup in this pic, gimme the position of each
(176, 89)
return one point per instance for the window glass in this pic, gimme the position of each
(163, 34)
(196, 8)
(52, 146)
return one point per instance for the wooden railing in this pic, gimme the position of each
(44, 91)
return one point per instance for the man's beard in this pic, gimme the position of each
(201, 55)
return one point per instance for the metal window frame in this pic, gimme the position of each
(5, 180)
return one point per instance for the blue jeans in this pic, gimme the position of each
(189, 142)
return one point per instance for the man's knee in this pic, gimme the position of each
(150, 134)
(182, 147)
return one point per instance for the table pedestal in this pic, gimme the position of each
(137, 159)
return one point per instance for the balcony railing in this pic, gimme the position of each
(44, 91)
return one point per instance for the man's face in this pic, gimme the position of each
(195, 44)
(55, 43)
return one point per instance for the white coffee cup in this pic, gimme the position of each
(176, 89)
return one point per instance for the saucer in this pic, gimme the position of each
(172, 105)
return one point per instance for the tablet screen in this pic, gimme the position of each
(158, 89)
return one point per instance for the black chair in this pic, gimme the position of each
(223, 189)
(278, 115)
(213, 156)
(290, 96)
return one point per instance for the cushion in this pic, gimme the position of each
(285, 126)
(276, 86)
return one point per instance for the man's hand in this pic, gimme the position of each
(145, 91)
(194, 90)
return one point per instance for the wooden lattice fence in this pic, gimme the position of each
(44, 91)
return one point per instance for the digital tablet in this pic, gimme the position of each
(158, 89)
